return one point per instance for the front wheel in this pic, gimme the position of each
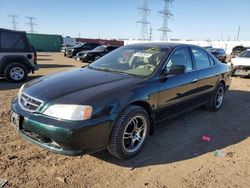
(217, 99)
(129, 133)
(97, 57)
(16, 72)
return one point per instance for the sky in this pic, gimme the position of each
(193, 19)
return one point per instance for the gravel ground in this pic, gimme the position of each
(174, 156)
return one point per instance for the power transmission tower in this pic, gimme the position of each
(150, 33)
(13, 21)
(144, 12)
(166, 15)
(31, 23)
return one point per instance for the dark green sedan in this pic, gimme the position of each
(116, 102)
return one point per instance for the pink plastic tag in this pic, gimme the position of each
(206, 138)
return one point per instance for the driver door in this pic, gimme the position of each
(177, 92)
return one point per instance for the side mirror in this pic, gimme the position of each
(174, 69)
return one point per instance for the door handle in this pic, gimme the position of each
(194, 80)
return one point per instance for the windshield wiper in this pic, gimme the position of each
(107, 69)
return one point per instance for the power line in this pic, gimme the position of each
(31, 23)
(13, 21)
(144, 11)
(166, 14)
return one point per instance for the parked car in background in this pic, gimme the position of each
(237, 50)
(17, 56)
(71, 52)
(93, 55)
(219, 53)
(207, 47)
(64, 47)
(241, 64)
(116, 101)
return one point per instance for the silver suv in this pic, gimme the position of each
(17, 56)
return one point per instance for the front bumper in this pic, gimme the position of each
(241, 70)
(69, 53)
(36, 68)
(84, 58)
(65, 137)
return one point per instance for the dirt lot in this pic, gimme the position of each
(174, 156)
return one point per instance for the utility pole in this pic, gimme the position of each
(144, 12)
(238, 35)
(13, 21)
(31, 23)
(79, 34)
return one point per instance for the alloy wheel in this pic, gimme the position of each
(219, 97)
(134, 134)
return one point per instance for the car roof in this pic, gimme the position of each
(218, 48)
(9, 30)
(161, 45)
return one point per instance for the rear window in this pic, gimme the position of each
(11, 40)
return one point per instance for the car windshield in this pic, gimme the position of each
(245, 54)
(100, 48)
(78, 45)
(138, 61)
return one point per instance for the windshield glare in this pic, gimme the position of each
(78, 45)
(139, 61)
(100, 48)
(245, 54)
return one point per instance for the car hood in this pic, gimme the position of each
(241, 61)
(59, 85)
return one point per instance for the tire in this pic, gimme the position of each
(16, 72)
(120, 144)
(215, 102)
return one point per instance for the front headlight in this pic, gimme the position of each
(69, 112)
(20, 91)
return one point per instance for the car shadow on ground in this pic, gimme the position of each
(180, 138)
(5, 85)
(54, 66)
(45, 59)
(43, 55)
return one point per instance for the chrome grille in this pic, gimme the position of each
(29, 103)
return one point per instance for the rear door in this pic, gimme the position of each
(207, 71)
(177, 92)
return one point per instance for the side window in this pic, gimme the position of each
(87, 46)
(93, 45)
(212, 63)
(12, 41)
(180, 57)
(201, 58)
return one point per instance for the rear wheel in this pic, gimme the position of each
(217, 99)
(129, 133)
(16, 72)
